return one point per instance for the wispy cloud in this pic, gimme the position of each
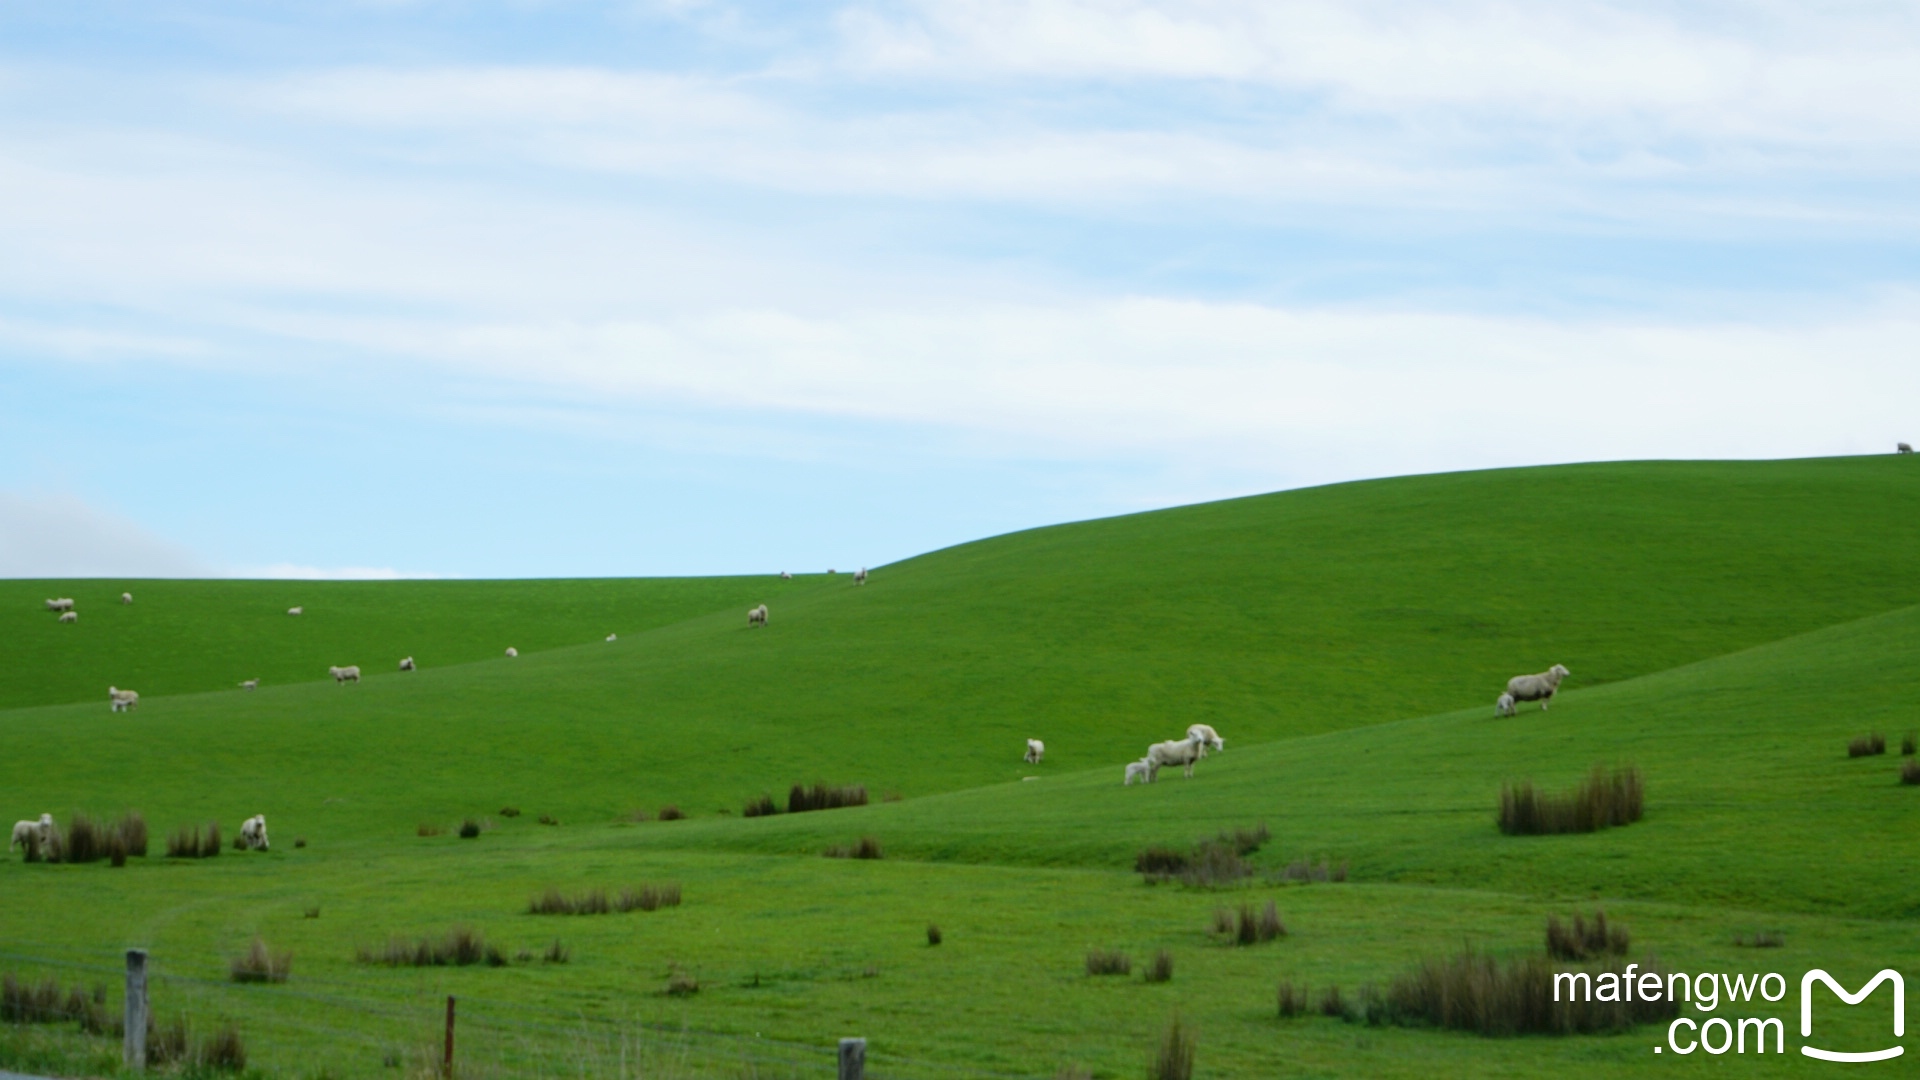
(55, 534)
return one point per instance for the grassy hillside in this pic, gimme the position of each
(183, 637)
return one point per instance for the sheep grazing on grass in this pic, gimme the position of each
(1904, 449)
(250, 684)
(253, 833)
(1504, 706)
(1035, 751)
(33, 834)
(1208, 737)
(1141, 770)
(1181, 752)
(757, 616)
(406, 663)
(123, 700)
(511, 651)
(69, 616)
(613, 637)
(1540, 688)
(350, 673)
(126, 598)
(860, 576)
(60, 605)
(784, 576)
(294, 611)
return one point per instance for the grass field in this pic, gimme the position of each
(1729, 627)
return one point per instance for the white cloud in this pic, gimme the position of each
(60, 535)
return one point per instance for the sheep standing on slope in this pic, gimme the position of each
(126, 598)
(350, 673)
(511, 651)
(784, 576)
(613, 637)
(1035, 751)
(1504, 706)
(406, 663)
(1181, 752)
(860, 576)
(69, 616)
(123, 700)
(1540, 688)
(757, 616)
(1208, 738)
(60, 605)
(250, 684)
(29, 834)
(1904, 449)
(1138, 770)
(293, 611)
(253, 833)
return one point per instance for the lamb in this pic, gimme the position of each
(1182, 752)
(406, 663)
(253, 833)
(69, 616)
(1904, 448)
(757, 616)
(1035, 751)
(293, 611)
(31, 834)
(60, 605)
(860, 576)
(1141, 770)
(123, 700)
(511, 651)
(350, 673)
(126, 598)
(1504, 706)
(613, 637)
(250, 684)
(1208, 738)
(1540, 688)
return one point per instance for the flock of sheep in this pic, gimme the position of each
(64, 606)
(32, 834)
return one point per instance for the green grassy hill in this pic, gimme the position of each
(1729, 627)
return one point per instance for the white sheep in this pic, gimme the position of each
(406, 663)
(293, 611)
(1208, 738)
(1140, 770)
(250, 684)
(860, 576)
(253, 833)
(126, 598)
(29, 833)
(784, 576)
(350, 673)
(60, 605)
(613, 637)
(1540, 688)
(1035, 751)
(1904, 448)
(123, 700)
(69, 616)
(511, 651)
(1504, 706)
(757, 616)
(1182, 752)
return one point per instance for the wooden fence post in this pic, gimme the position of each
(853, 1059)
(447, 1064)
(134, 1051)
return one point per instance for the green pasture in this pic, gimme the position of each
(1729, 627)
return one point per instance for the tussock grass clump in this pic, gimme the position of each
(188, 842)
(1583, 940)
(1244, 840)
(86, 841)
(1476, 992)
(461, 947)
(819, 796)
(1161, 969)
(509, 811)
(1333, 1003)
(682, 984)
(1304, 872)
(1109, 962)
(225, 1051)
(867, 847)
(313, 912)
(934, 936)
(1604, 799)
(260, 964)
(26, 1002)
(299, 841)
(670, 812)
(1909, 743)
(1174, 1059)
(116, 850)
(1910, 771)
(1870, 745)
(648, 897)
(1248, 926)
(1159, 862)
(428, 829)
(556, 953)
(469, 829)
(1292, 1000)
(549, 819)
(1214, 866)
(555, 902)
(763, 806)
(1760, 939)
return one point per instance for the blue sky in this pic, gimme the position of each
(554, 288)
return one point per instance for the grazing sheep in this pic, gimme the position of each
(27, 833)
(757, 616)
(1140, 770)
(1504, 706)
(350, 673)
(123, 700)
(1904, 448)
(511, 651)
(406, 663)
(293, 611)
(250, 684)
(1035, 751)
(1208, 738)
(60, 605)
(1540, 688)
(784, 576)
(126, 598)
(69, 616)
(1182, 752)
(860, 576)
(613, 637)
(253, 832)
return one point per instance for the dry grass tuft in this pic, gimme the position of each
(509, 811)
(762, 806)
(1909, 743)
(1602, 800)
(933, 935)
(1248, 926)
(818, 796)
(1476, 992)
(469, 829)
(867, 848)
(1174, 1061)
(1583, 940)
(670, 812)
(1161, 969)
(426, 829)
(260, 964)
(682, 983)
(1910, 771)
(1867, 746)
(556, 953)
(1108, 962)
(461, 947)
(1760, 939)
(1292, 1000)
